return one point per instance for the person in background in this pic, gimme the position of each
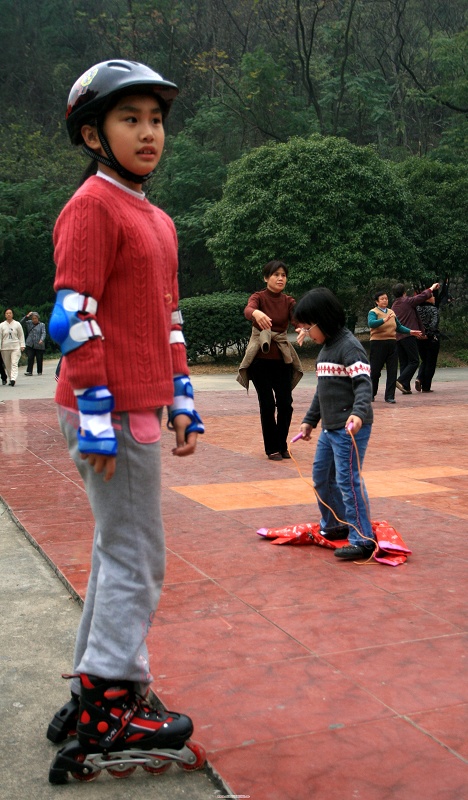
(384, 325)
(12, 345)
(35, 341)
(408, 354)
(270, 361)
(429, 347)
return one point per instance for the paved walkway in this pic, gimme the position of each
(305, 677)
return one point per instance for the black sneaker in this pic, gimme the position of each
(351, 552)
(29, 374)
(4, 383)
(12, 383)
(285, 454)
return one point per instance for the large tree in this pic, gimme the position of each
(335, 212)
(439, 201)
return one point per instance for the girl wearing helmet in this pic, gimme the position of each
(116, 259)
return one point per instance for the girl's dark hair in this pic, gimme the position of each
(270, 268)
(91, 169)
(322, 308)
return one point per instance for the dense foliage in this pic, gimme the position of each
(387, 77)
(336, 210)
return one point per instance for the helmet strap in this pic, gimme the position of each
(112, 162)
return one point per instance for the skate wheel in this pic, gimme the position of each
(158, 770)
(90, 776)
(200, 757)
(121, 771)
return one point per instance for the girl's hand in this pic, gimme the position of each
(355, 423)
(306, 430)
(301, 335)
(263, 321)
(185, 445)
(101, 464)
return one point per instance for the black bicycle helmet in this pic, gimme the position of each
(91, 94)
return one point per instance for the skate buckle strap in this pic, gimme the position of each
(115, 732)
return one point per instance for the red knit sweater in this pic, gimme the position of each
(122, 251)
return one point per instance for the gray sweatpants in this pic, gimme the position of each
(128, 558)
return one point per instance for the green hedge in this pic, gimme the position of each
(215, 324)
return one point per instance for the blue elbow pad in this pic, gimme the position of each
(67, 327)
(183, 404)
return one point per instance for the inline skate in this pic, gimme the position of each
(118, 731)
(65, 720)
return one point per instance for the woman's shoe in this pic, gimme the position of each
(275, 457)
(417, 385)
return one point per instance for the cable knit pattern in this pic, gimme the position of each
(122, 251)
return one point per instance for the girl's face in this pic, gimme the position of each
(277, 281)
(135, 132)
(316, 334)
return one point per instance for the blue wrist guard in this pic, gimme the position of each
(183, 404)
(67, 327)
(96, 434)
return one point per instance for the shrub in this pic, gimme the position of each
(214, 324)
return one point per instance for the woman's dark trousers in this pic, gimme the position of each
(428, 352)
(408, 356)
(384, 351)
(39, 355)
(272, 380)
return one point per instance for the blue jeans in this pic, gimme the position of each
(336, 478)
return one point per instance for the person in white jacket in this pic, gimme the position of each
(11, 345)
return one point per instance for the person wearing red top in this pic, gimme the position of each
(116, 259)
(408, 354)
(271, 363)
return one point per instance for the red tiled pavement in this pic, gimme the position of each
(305, 677)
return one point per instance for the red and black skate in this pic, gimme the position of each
(118, 731)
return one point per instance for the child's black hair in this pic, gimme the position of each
(322, 308)
(272, 266)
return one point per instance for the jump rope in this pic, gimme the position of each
(349, 429)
